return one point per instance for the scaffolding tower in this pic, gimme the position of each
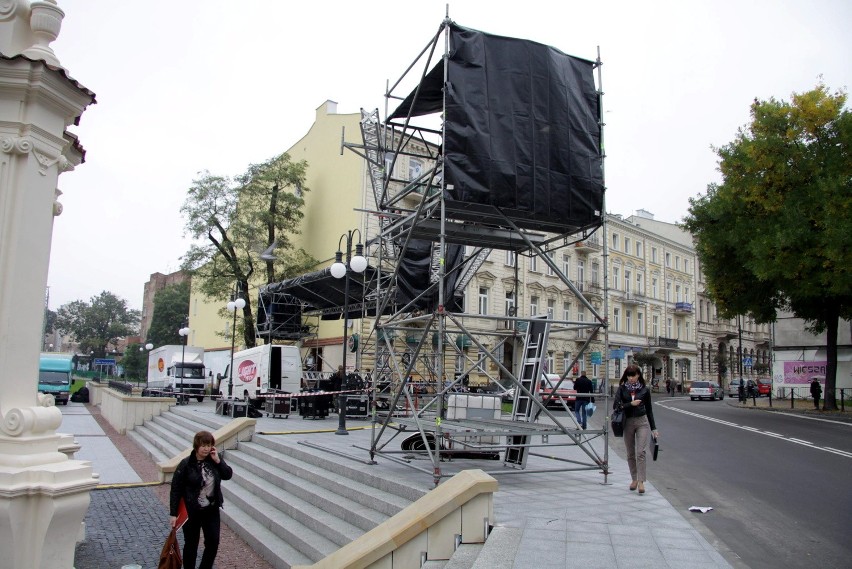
(431, 234)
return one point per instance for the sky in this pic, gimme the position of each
(184, 86)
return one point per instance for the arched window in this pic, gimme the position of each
(701, 357)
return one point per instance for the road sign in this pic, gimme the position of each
(616, 354)
(104, 361)
(596, 358)
(747, 361)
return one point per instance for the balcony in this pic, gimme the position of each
(588, 246)
(663, 344)
(725, 331)
(632, 298)
(683, 308)
(589, 289)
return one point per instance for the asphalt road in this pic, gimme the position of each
(779, 484)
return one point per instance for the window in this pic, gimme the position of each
(511, 258)
(639, 283)
(678, 328)
(549, 265)
(627, 281)
(669, 328)
(677, 294)
(627, 245)
(616, 273)
(677, 262)
(628, 321)
(668, 260)
(687, 332)
(595, 271)
(616, 319)
(483, 300)
(668, 292)
(566, 266)
(510, 307)
(581, 273)
(639, 323)
(686, 265)
(615, 241)
(533, 305)
(566, 311)
(566, 360)
(551, 309)
(701, 313)
(653, 254)
(638, 248)
(551, 363)
(655, 326)
(415, 169)
(686, 297)
(654, 288)
(534, 264)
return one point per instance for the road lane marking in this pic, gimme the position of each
(761, 432)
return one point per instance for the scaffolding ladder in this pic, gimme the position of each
(522, 407)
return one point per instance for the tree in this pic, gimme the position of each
(239, 219)
(777, 232)
(171, 306)
(135, 362)
(99, 323)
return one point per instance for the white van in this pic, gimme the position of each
(263, 370)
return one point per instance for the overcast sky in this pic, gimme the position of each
(188, 85)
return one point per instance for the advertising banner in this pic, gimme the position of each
(800, 373)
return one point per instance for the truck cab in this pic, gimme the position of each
(54, 376)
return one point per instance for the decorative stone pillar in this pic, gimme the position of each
(43, 494)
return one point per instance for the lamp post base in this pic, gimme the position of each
(341, 416)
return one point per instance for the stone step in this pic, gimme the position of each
(153, 441)
(260, 538)
(137, 436)
(170, 433)
(297, 536)
(341, 482)
(500, 549)
(201, 421)
(464, 556)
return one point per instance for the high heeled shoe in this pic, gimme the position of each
(641, 488)
(633, 485)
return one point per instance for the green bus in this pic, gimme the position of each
(54, 375)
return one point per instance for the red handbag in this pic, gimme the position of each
(170, 555)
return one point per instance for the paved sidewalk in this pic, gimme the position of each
(566, 519)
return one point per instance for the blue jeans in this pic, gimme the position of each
(580, 411)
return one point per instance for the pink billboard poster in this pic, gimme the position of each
(802, 372)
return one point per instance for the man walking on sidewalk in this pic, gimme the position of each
(816, 392)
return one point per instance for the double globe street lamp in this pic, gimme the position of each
(339, 270)
(183, 332)
(233, 306)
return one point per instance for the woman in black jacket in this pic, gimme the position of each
(635, 397)
(197, 479)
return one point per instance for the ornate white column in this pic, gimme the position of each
(43, 495)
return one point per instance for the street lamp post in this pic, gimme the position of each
(184, 332)
(149, 346)
(358, 264)
(233, 306)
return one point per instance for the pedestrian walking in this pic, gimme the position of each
(816, 392)
(197, 480)
(635, 397)
(583, 385)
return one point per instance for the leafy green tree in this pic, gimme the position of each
(135, 361)
(238, 220)
(98, 323)
(776, 234)
(171, 306)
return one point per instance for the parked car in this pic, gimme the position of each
(548, 381)
(764, 388)
(706, 390)
(734, 388)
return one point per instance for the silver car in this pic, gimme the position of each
(734, 388)
(706, 390)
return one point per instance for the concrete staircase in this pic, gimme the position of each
(295, 504)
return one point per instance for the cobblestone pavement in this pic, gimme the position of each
(126, 524)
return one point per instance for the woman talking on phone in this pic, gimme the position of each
(197, 479)
(635, 397)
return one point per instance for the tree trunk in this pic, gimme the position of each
(829, 403)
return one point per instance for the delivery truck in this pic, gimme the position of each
(264, 370)
(178, 369)
(54, 375)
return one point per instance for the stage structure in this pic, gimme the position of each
(496, 147)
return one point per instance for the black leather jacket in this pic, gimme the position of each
(186, 483)
(622, 397)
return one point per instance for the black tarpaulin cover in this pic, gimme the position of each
(522, 130)
(414, 275)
